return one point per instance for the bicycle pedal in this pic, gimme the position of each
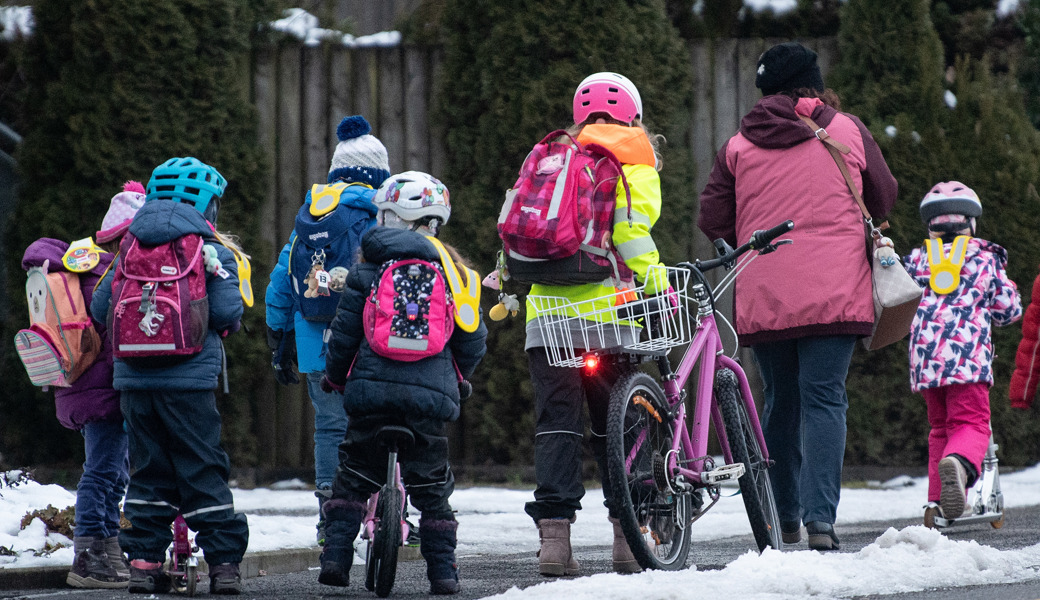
(723, 473)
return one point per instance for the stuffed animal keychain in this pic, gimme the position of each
(507, 303)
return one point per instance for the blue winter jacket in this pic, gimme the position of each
(157, 222)
(426, 388)
(283, 312)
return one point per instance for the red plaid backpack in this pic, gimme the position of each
(557, 220)
(160, 309)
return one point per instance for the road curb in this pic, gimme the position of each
(254, 564)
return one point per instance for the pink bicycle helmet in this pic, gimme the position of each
(950, 198)
(609, 93)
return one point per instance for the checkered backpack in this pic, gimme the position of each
(557, 220)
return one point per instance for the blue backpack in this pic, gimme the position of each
(328, 234)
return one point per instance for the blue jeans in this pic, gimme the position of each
(330, 426)
(104, 480)
(804, 422)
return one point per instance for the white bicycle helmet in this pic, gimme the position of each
(413, 196)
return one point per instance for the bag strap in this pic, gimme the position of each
(836, 149)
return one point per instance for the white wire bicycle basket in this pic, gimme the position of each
(570, 328)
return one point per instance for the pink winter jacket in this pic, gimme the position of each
(775, 169)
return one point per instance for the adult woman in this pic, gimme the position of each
(802, 310)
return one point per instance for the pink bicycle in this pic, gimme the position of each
(384, 525)
(657, 450)
(184, 565)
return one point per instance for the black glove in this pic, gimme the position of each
(465, 389)
(328, 387)
(283, 355)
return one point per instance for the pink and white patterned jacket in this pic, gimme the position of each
(950, 339)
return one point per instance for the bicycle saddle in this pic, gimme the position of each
(395, 436)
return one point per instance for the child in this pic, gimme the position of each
(327, 232)
(1022, 390)
(421, 395)
(168, 401)
(608, 111)
(966, 289)
(91, 406)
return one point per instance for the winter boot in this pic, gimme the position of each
(323, 494)
(953, 477)
(822, 536)
(624, 560)
(792, 532)
(148, 578)
(437, 544)
(90, 568)
(116, 557)
(342, 522)
(554, 556)
(225, 578)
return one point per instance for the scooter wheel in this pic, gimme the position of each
(998, 523)
(929, 516)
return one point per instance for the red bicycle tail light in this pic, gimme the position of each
(591, 363)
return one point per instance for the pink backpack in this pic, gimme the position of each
(410, 312)
(61, 343)
(159, 305)
(557, 220)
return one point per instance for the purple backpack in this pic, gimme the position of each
(410, 312)
(159, 305)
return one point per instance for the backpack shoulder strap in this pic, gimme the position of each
(466, 292)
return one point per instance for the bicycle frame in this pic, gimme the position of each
(371, 520)
(707, 350)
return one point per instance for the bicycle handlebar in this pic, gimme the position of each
(760, 240)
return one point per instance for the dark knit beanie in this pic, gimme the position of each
(787, 67)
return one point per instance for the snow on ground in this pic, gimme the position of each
(492, 521)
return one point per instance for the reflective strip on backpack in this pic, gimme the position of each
(402, 343)
(561, 184)
(145, 347)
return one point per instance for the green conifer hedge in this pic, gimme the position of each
(112, 89)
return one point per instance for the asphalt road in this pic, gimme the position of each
(487, 575)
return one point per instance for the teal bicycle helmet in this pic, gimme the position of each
(189, 181)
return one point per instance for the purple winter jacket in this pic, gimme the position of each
(775, 169)
(91, 397)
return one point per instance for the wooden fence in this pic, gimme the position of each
(302, 92)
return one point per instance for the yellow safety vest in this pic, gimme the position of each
(946, 269)
(466, 293)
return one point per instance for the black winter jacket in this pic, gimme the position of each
(425, 388)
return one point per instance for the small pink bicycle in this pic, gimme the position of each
(384, 525)
(184, 565)
(657, 450)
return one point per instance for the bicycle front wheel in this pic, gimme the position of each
(755, 486)
(386, 541)
(654, 514)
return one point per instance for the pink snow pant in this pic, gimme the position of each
(959, 416)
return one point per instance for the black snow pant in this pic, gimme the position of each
(559, 395)
(178, 466)
(424, 466)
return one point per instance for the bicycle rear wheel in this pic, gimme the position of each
(755, 486)
(382, 556)
(654, 514)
